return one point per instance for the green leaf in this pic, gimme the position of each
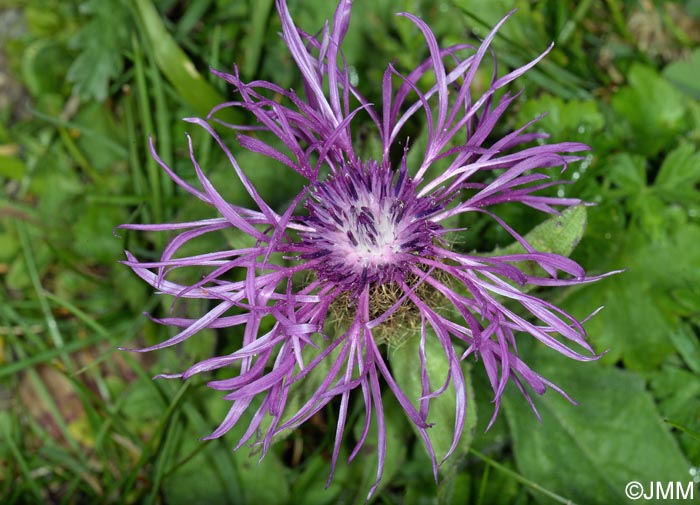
(263, 173)
(310, 484)
(652, 215)
(628, 172)
(11, 167)
(260, 480)
(558, 234)
(406, 368)
(263, 480)
(101, 137)
(576, 120)
(365, 463)
(101, 42)
(143, 405)
(688, 300)
(679, 175)
(43, 67)
(632, 327)
(302, 390)
(198, 481)
(684, 74)
(589, 452)
(688, 346)
(678, 396)
(653, 109)
(92, 237)
(640, 311)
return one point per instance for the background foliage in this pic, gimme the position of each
(82, 86)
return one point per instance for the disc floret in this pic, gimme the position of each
(366, 225)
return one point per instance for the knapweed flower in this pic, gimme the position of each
(362, 253)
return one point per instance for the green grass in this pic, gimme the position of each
(83, 422)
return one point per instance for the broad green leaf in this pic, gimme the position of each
(684, 74)
(260, 480)
(653, 109)
(310, 483)
(301, 391)
(143, 405)
(406, 368)
(198, 481)
(679, 175)
(499, 487)
(631, 327)
(364, 466)
(677, 392)
(589, 452)
(264, 481)
(558, 234)
(640, 312)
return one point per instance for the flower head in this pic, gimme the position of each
(362, 252)
(366, 225)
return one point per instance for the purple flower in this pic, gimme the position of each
(363, 250)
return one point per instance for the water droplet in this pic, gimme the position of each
(576, 176)
(608, 236)
(353, 76)
(695, 473)
(586, 163)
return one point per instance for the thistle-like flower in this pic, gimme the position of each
(362, 252)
